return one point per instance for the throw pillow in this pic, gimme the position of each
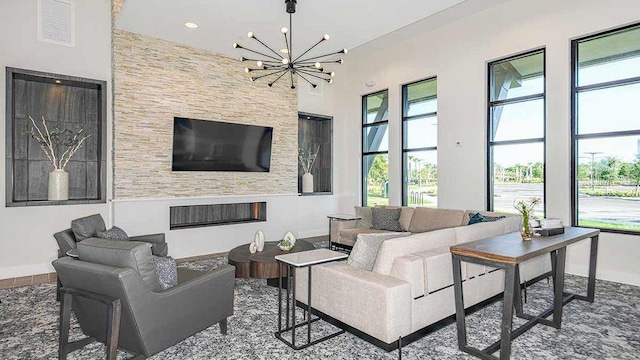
(365, 251)
(477, 218)
(386, 219)
(167, 271)
(365, 220)
(115, 233)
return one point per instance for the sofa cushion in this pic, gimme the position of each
(365, 220)
(132, 254)
(405, 216)
(489, 215)
(365, 250)
(87, 226)
(427, 219)
(465, 234)
(352, 234)
(386, 219)
(115, 233)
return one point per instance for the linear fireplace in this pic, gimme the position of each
(216, 214)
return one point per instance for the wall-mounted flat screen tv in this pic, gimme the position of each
(201, 145)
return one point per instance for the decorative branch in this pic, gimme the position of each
(307, 158)
(50, 140)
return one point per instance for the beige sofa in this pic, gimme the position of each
(410, 286)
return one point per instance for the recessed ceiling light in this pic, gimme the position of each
(191, 25)
(284, 51)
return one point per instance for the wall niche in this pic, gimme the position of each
(68, 103)
(316, 132)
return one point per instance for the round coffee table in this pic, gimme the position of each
(262, 265)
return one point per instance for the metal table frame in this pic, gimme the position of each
(291, 307)
(339, 218)
(512, 298)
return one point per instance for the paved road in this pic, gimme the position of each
(598, 208)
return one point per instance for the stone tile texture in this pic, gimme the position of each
(156, 80)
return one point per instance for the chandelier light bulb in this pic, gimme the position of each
(235, 45)
(332, 74)
(318, 65)
(345, 50)
(259, 63)
(252, 79)
(330, 81)
(246, 70)
(284, 30)
(250, 34)
(285, 61)
(242, 58)
(191, 25)
(340, 61)
(325, 37)
(284, 51)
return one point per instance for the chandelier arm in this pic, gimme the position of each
(314, 75)
(273, 73)
(309, 49)
(264, 61)
(321, 56)
(278, 78)
(259, 53)
(316, 71)
(291, 73)
(265, 69)
(267, 46)
(307, 80)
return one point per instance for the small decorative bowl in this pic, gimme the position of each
(285, 247)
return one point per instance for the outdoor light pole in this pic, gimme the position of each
(593, 156)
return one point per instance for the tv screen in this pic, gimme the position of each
(200, 145)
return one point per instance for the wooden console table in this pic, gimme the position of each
(507, 252)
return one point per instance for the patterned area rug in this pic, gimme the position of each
(607, 329)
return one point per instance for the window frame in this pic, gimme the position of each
(575, 137)
(490, 104)
(364, 125)
(404, 119)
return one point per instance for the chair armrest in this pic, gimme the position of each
(186, 308)
(66, 241)
(151, 238)
(410, 268)
(158, 245)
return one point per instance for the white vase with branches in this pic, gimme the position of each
(306, 158)
(59, 146)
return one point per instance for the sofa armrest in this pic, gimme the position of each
(158, 245)
(410, 268)
(376, 304)
(337, 225)
(66, 241)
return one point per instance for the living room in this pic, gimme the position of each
(150, 79)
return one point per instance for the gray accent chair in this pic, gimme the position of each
(89, 226)
(151, 320)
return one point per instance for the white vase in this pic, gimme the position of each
(259, 240)
(58, 185)
(307, 183)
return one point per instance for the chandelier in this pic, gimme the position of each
(273, 66)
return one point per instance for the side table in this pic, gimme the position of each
(300, 260)
(339, 218)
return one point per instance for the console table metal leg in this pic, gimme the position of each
(293, 306)
(558, 285)
(288, 297)
(507, 312)
(459, 300)
(516, 292)
(309, 306)
(279, 297)
(593, 258)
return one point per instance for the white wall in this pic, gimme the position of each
(27, 245)
(458, 54)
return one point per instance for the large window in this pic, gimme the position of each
(375, 149)
(516, 131)
(606, 130)
(420, 143)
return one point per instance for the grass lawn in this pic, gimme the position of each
(606, 225)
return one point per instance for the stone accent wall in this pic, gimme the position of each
(155, 80)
